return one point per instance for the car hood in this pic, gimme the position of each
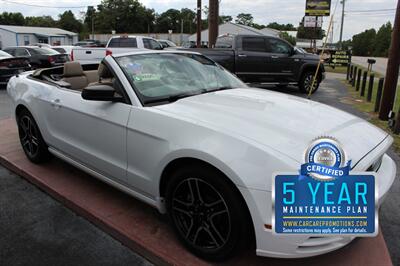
(277, 121)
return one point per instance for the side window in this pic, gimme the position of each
(128, 42)
(146, 43)
(151, 44)
(21, 52)
(278, 47)
(253, 44)
(156, 45)
(114, 43)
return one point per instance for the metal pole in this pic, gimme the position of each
(181, 31)
(213, 23)
(198, 24)
(379, 95)
(370, 87)
(364, 83)
(93, 25)
(392, 72)
(341, 27)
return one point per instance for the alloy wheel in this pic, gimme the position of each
(308, 83)
(29, 136)
(201, 214)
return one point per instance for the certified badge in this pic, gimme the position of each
(325, 160)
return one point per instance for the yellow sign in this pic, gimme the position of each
(318, 7)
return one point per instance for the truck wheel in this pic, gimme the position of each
(206, 213)
(31, 139)
(306, 82)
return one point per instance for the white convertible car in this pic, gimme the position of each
(177, 131)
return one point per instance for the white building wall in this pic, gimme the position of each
(22, 37)
(7, 39)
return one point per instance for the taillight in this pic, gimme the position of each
(108, 52)
(3, 65)
(51, 59)
(72, 55)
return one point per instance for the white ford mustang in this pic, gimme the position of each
(180, 133)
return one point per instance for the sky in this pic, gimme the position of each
(360, 15)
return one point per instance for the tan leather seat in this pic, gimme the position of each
(105, 76)
(74, 75)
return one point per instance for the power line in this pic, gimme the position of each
(33, 5)
(372, 11)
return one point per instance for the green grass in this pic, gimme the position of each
(338, 70)
(361, 104)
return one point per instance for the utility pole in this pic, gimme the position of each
(213, 17)
(181, 31)
(343, 2)
(199, 23)
(392, 72)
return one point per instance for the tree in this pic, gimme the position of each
(43, 21)
(244, 19)
(382, 40)
(363, 43)
(7, 18)
(225, 19)
(169, 20)
(281, 27)
(123, 16)
(284, 35)
(67, 21)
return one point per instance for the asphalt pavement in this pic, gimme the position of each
(38, 230)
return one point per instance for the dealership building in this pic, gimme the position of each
(21, 35)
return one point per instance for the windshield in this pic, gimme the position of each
(167, 77)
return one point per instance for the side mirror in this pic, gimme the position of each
(103, 93)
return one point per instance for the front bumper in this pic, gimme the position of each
(270, 245)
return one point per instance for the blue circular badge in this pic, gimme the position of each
(325, 154)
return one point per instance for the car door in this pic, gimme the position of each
(251, 59)
(283, 64)
(90, 132)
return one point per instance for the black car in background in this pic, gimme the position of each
(10, 66)
(39, 57)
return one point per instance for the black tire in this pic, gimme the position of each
(306, 82)
(212, 223)
(31, 139)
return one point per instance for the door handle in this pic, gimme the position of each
(242, 55)
(274, 57)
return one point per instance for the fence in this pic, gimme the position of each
(358, 78)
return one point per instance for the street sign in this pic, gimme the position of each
(318, 7)
(340, 58)
(311, 22)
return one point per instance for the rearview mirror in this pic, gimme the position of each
(104, 93)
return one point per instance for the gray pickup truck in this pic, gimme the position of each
(266, 60)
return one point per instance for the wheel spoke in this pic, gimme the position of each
(195, 190)
(215, 235)
(193, 232)
(35, 141)
(181, 207)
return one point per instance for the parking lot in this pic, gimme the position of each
(38, 228)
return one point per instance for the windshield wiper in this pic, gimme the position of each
(174, 98)
(219, 89)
